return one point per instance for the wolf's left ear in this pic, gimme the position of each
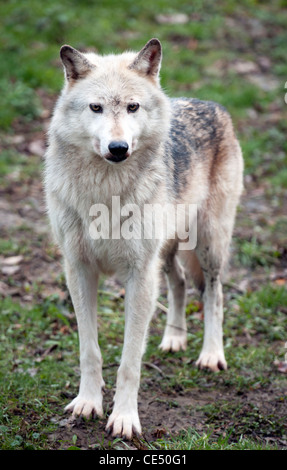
(148, 60)
(75, 63)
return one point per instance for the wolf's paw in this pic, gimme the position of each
(81, 406)
(124, 425)
(174, 339)
(173, 343)
(210, 360)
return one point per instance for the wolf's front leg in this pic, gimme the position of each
(82, 284)
(141, 292)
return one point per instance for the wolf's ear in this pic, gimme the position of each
(76, 64)
(148, 60)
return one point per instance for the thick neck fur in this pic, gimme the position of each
(81, 179)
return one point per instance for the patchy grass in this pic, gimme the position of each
(39, 373)
(192, 440)
(227, 52)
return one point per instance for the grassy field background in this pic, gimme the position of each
(227, 51)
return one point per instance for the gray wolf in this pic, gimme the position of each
(115, 132)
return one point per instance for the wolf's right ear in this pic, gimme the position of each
(76, 64)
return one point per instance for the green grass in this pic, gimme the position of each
(258, 149)
(39, 353)
(33, 32)
(192, 440)
(28, 383)
(252, 253)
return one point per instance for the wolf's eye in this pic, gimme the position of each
(132, 108)
(96, 108)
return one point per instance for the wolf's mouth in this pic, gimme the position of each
(116, 158)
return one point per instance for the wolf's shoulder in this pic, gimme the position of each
(194, 108)
(199, 122)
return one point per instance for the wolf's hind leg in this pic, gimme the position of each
(175, 336)
(212, 354)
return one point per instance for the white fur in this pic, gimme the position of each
(78, 176)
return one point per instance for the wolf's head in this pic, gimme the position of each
(113, 105)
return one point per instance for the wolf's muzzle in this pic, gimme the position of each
(118, 150)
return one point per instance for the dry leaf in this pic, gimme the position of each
(10, 270)
(281, 366)
(37, 147)
(12, 260)
(160, 432)
(176, 18)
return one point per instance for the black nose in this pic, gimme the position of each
(118, 149)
